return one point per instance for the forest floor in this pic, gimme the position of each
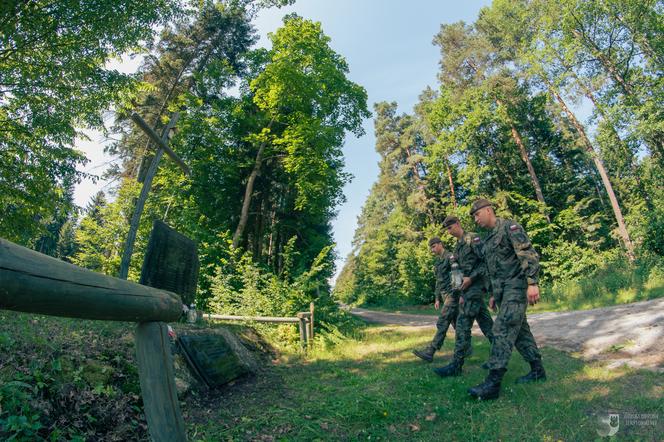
(629, 334)
(374, 388)
(67, 379)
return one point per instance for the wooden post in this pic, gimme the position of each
(303, 330)
(311, 320)
(155, 370)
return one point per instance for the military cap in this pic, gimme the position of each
(479, 203)
(434, 240)
(449, 220)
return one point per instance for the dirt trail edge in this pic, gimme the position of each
(629, 334)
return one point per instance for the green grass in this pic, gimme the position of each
(64, 379)
(613, 285)
(375, 389)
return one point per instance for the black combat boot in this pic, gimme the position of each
(425, 354)
(490, 388)
(537, 373)
(451, 369)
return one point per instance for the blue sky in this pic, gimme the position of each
(387, 44)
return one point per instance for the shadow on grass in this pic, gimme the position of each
(376, 389)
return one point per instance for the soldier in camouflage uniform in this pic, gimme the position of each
(472, 306)
(443, 292)
(513, 268)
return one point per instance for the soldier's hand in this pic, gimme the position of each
(533, 294)
(436, 304)
(461, 301)
(466, 283)
(492, 303)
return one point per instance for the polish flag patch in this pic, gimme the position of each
(476, 240)
(514, 227)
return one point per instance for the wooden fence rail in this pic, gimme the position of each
(305, 321)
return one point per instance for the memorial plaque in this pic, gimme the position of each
(212, 359)
(171, 262)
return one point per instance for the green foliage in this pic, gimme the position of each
(567, 261)
(53, 80)
(103, 229)
(243, 287)
(502, 126)
(612, 282)
(65, 379)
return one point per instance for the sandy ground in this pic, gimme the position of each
(630, 334)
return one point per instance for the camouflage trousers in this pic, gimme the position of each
(470, 311)
(448, 315)
(510, 330)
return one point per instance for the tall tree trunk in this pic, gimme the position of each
(449, 177)
(270, 244)
(655, 140)
(591, 96)
(624, 234)
(516, 136)
(640, 40)
(522, 148)
(590, 93)
(248, 191)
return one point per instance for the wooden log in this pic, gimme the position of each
(155, 369)
(35, 283)
(251, 318)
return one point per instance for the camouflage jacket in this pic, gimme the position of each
(442, 270)
(511, 261)
(469, 255)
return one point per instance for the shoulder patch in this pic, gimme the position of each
(514, 227)
(477, 240)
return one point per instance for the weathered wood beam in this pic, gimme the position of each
(155, 369)
(35, 283)
(159, 142)
(251, 318)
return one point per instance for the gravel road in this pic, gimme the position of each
(629, 334)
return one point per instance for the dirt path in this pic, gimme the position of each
(630, 334)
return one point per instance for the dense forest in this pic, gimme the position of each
(261, 131)
(551, 109)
